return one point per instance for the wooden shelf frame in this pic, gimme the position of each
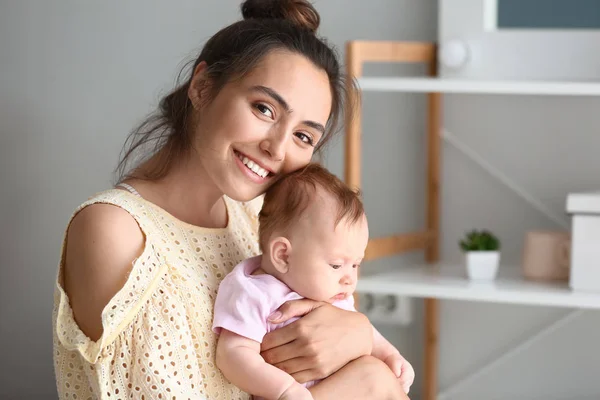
(357, 54)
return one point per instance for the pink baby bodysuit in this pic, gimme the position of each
(245, 301)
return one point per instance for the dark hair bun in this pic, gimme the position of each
(299, 12)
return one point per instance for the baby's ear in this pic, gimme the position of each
(279, 250)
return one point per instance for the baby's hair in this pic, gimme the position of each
(290, 196)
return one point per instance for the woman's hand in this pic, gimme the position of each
(318, 344)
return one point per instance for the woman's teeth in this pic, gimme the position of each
(253, 166)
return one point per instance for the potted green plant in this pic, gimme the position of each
(482, 254)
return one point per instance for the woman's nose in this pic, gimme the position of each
(274, 145)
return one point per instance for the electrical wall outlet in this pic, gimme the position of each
(386, 309)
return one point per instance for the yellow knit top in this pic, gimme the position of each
(157, 341)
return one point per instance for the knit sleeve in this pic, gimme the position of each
(145, 275)
(121, 310)
(146, 351)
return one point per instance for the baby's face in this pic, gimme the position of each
(324, 259)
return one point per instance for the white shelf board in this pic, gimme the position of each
(447, 85)
(450, 282)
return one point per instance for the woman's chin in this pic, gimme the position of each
(239, 194)
(243, 187)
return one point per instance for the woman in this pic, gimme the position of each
(141, 262)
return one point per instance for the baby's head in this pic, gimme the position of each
(313, 233)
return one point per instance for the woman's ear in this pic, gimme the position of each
(279, 251)
(198, 90)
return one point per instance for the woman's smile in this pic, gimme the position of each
(252, 169)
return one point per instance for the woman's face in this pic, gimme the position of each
(263, 125)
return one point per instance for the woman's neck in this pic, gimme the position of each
(188, 194)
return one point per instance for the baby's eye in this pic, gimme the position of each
(336, 266)
(356, 266)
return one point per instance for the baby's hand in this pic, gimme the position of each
(402, 369)
(296, 392)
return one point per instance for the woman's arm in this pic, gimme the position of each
(364, 378)
(102, 242)
(318, 344)
(240, 361)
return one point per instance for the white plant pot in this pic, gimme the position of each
(482, 265)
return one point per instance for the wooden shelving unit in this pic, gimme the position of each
(436, 280)
(357, 54)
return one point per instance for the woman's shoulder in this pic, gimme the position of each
(107, 226)
(105, 208)
(108, 214)
(102, 231)
(103, 240)
(113, 196)
(112, 211)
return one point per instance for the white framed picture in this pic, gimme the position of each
(520, 39)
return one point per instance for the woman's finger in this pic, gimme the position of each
(305, 376)
(294, 308)
(279, 337)
(281, 353)
(295, 365)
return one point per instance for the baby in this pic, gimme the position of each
(313, 235)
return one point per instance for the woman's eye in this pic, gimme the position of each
(305, 138)
(264, 110)
(336, 266)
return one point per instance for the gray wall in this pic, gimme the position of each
(75, 77)
(549, 147)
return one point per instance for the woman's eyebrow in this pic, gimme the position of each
(285, 105)
(315, 125)
(272, 94)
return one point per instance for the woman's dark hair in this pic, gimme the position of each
(232, 53)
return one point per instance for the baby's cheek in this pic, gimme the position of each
(319, 290)
(312, 289)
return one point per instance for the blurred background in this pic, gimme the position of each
(75, 77)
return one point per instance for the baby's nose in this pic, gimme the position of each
(347, 279)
